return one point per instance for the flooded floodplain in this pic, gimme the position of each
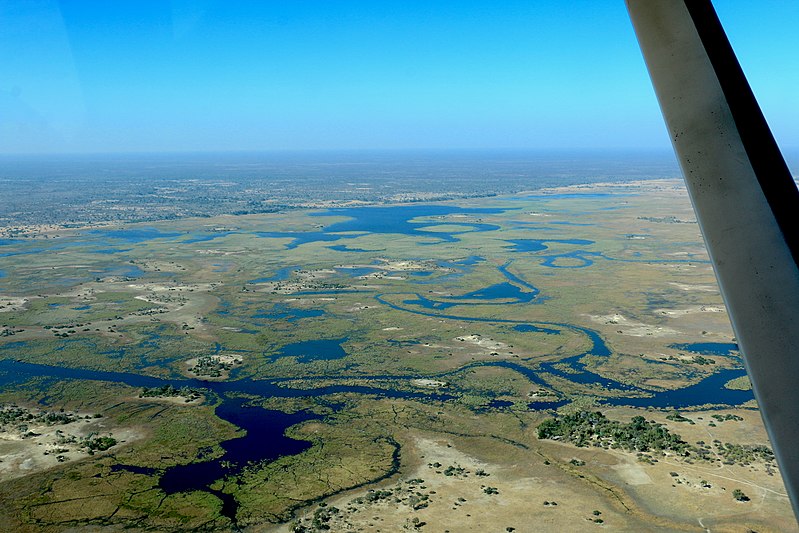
(270, 362)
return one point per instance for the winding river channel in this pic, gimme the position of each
(265, 429)
(264, 436)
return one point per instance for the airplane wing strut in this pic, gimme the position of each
(745, 200)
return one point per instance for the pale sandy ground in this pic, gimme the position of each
(178, 303)
(684, 497)
(382, 274)
(630, 495)
(220, 358)
(459, 502)
(483, 342)
(20, 457)
(218, 252)
(699, 288)
(692, 310)
(657, 185)
(310, 300)
(177, 400)
(10, 303)
(409, 265)
(626, 326)
(303, 280)
(430, 383)
(360, 307)
(183, 303)
(41, 231)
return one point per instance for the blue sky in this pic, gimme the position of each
(110, 76)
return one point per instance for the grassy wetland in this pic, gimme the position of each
(380, 368)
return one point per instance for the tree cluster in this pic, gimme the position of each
(585, 428)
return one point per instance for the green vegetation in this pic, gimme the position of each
(99, 444)
(729, 416)
(586, 428)
(739, 495)
(213, 366)
(695, 360)
(743, 453)
(15, 415)
(180, 300)
(594, 429)
(169, 391)
(741, 383)
(22, 421)
(677, 417)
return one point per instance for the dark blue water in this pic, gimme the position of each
(710, 390)
(265, 438)
(537, 245)
(355, 272)
(131, 236)
(577, 373)
(461, 267)
(503, 293)
(514, 278)
(580, 259)
(315, 350)
(708, 348)
(543, 406)
(109, 251)
(529, 328)
(577, 370)
(386, 220)
(205, 237)
(14, 372)
(264, 441)
(486, 296)
(529, 373)
(576, 258)
(88, 246)
(281, 311)
(469, 261)
(344, 248)
(498, 291)
(300, 238)
(399, 219)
